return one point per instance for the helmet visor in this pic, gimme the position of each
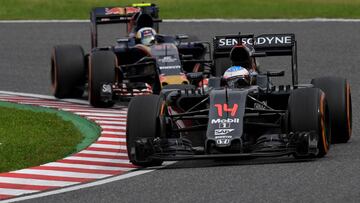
(148, 40)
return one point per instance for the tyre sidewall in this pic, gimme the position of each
(67, 71)
(338, 96)
(143, 122)
(308, 112)
(102, 66)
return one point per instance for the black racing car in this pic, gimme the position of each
(128, 68)
(254, 119)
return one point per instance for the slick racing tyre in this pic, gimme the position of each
(308, 112)
(67, 71)
(338, 96)
(101, 71)
(143, 122)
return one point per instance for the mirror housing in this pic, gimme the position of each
(275, 73)
(122, 40)
(182, 37)
(195, 75)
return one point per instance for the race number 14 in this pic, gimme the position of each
(225, 108)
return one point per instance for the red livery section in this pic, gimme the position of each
(104, 158)
(224, 108)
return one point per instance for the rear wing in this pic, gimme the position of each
(264, 45)
(111, 15)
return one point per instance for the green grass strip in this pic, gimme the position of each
(31, 136)
(79, 9)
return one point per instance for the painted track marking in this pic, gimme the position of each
(104, 158)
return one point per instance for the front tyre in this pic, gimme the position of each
(143, 122)
(101, 71)
(308, 112)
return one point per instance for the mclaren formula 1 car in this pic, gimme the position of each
(239, 118)
(129, 68)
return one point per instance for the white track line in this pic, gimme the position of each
(59, 173)
(4, 191)
(197, 20)
(112, 139)
(113, 127)
(96, 118)
(41, 102)
(53, 106)
(26, 181)
(117, 161)
(113, 133)
(99, 114)
(121, 112)
(109, 146)
(39, 96)
(82, 186)
(87, 166)
(102, 153)
(110, 122)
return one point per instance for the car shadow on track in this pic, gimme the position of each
(233, 162)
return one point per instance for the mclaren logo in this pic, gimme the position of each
(229, 120)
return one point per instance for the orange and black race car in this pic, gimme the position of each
(141, 63)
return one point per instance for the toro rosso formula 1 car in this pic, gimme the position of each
(242, 116)
(142, 63)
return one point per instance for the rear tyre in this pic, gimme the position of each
(143, 122)
(338, 96)
(101, 70)
(308, 111)
(67, 71)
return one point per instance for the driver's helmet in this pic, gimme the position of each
(146, 36)
(237, 76)
(241, 55)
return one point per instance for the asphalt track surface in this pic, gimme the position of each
(324, 48)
